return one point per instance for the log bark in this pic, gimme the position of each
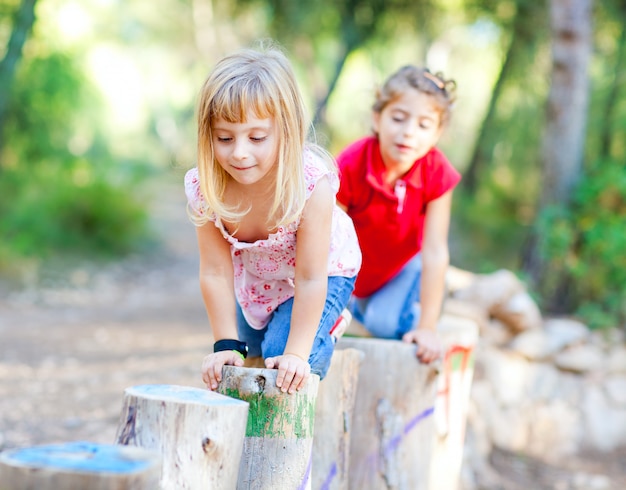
(459, 336)
(80, 466)
(393, 427)
(279, 434)
(333, 421)
(199, 433)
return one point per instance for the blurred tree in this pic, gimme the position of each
(324, 33)
(22, 25)
(564, 138)
(522, 32)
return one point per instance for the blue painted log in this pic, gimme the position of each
(198, 433)
(79, 466)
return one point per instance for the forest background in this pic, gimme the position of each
(97, 107)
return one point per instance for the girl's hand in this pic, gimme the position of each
(213, 363)
(293, 371)
(429, 346)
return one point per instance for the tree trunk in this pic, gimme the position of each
(564, 139)
(393, 427)
(198, 433)
(24, 20)
(279, 435)
(80, 466)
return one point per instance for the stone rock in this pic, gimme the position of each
(488, 290)
(519, 312)
(616, 360)
(539, 345)
(604, 425)
(508, 374)
(544, 383)
(554, 430)
(496, 333)
(458, 279)
(533, 345)
(581, 359)
(509, 428)
(615, 387)
(464, 309)
(564, 332)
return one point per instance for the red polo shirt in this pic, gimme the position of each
(388, 226)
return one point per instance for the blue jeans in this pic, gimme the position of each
(392, 311)
(271, 340)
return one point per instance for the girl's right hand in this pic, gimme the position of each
(213, 363)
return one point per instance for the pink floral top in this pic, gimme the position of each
(265, 270)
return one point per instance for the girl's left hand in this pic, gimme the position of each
(293, 371)
(429, 346)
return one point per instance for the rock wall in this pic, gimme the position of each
(549, 388)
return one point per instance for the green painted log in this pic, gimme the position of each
(279, 434)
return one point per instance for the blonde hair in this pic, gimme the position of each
(260, 80)
(409, 76)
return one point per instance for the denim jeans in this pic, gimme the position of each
(271, 340)
(392, 311)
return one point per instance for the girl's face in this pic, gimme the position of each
(407, 127)
(246, 151)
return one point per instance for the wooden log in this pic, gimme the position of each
(279, 435)
(392, 430)
(333, 421)
(79, 466)
(198, 433)
(459, 336)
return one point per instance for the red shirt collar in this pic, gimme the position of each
(376, 169)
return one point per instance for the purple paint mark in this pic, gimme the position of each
(329, 479)
(412, 423)
(307, 475)
(395, 441)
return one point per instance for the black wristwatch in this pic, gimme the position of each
(231, 344)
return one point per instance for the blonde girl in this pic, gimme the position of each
(278, 257)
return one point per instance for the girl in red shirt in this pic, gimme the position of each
(397, 188)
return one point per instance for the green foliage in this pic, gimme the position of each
(586, 244)
(48, 213)
(61, 192)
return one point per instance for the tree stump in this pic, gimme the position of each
(198, 433)
(392, 429)
(79, 466)
(279, 435)
(333, 421)
(459, 336)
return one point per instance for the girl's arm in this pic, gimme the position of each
(217, 286)
(435, 261)
(311, 283)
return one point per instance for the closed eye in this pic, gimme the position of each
(258, 139)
